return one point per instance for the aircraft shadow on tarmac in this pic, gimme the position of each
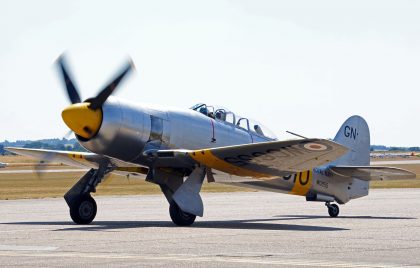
(249, 224)
(252, 224)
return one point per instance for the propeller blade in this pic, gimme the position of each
(43, 165)
(101, 98)
(68, 135)
(47, 160)
(72, 92)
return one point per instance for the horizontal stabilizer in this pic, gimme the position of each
(376, 173)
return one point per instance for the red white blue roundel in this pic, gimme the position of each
(315, 147)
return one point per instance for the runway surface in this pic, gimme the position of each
(395, 162)
(239, 229)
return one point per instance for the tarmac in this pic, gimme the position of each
(238, 229)
(395, 162)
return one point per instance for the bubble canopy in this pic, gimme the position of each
(225, 115)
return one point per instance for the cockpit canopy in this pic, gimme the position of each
(226, 116)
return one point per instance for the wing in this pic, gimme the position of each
(31, 171)
(375, 173)
(259, 160)
(80, 159)
(268, 159)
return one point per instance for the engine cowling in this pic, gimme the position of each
(124, 131)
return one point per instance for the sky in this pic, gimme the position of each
(302, 66)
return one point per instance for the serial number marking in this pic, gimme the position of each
(323, 184)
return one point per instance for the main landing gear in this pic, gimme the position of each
(83, 210)
(184, 199)
(82, 206)
(333, 209)
(180, 217)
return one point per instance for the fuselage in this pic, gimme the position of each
(128, 130)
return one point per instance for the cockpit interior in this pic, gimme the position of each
(226, 116)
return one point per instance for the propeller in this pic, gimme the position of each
(72, 92)
(100, 99)
(48, 159)
(85, 118)
(103, 95)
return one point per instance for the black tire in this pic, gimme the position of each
(179, 217)
(83, 211)
(333, 210)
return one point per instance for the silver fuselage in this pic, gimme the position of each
(128, 130)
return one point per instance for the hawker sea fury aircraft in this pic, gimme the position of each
(178, 149)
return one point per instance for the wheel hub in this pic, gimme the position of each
(86, 209)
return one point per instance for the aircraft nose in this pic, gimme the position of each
(83, 120)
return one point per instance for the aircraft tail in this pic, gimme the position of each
(355, 135)
(352, 172)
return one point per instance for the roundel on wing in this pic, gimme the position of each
(315, 147)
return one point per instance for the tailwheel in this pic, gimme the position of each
(83, 210)
(180, 217)
(333, 210)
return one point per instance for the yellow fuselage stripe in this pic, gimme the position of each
(207, 158)
(303, 183)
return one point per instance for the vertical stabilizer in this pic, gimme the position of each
(354, 134)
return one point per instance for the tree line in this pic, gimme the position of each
(47, 144)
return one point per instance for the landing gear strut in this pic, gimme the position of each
(184, 199)
(333, 209)
(82, 206)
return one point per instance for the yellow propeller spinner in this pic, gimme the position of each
(82, 119)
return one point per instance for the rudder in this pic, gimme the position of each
(355, 135)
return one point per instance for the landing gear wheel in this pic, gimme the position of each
(179, 217)
(83, 211)
(333, 210)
